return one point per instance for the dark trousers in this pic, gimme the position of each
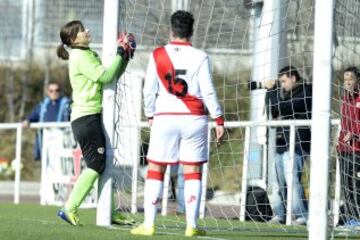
(350, 183)
(89, 133)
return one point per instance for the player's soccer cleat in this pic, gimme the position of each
(120, 219)
(300, 221)
(142, 230)
(276, 220)
(70, 217)
(351, 225)
(192, 232)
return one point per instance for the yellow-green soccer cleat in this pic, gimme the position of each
(142, 230)
(121, 219)
(191, 232)
(70, 217)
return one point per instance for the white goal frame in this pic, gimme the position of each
(322, 72)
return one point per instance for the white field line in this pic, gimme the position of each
(33, 220)
(178, 234)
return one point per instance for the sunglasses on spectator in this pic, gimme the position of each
(54, 90)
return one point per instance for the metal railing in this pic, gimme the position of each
(19, 132)
(235, 124)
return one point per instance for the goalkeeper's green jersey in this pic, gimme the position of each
(87, 76)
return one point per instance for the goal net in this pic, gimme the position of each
(249, 177)
(345, 163)
(248, 43)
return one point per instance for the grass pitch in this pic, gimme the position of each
(31, 221)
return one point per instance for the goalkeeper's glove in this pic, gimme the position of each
(126, 45)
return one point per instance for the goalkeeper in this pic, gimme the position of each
(87, 76)
(349, 147)
(177, 90)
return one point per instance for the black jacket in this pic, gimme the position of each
(291, 105)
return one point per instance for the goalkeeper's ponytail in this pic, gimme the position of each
(62, 52)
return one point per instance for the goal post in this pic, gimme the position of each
(110, 31)
(269, 55)
(320, 156)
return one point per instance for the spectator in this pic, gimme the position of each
(349, 147)
(53, 108)
(292, 100)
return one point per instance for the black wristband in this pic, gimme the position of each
(121, 52)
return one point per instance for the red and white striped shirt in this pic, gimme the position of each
(350, 123)
(190, 92)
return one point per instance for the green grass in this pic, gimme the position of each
(30, 221)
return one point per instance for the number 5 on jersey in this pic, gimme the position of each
(177, 85)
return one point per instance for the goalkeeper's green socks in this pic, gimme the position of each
(81, 189)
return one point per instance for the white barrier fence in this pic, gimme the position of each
(239, 124)
(19, 129)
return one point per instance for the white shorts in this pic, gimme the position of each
(175, 139)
